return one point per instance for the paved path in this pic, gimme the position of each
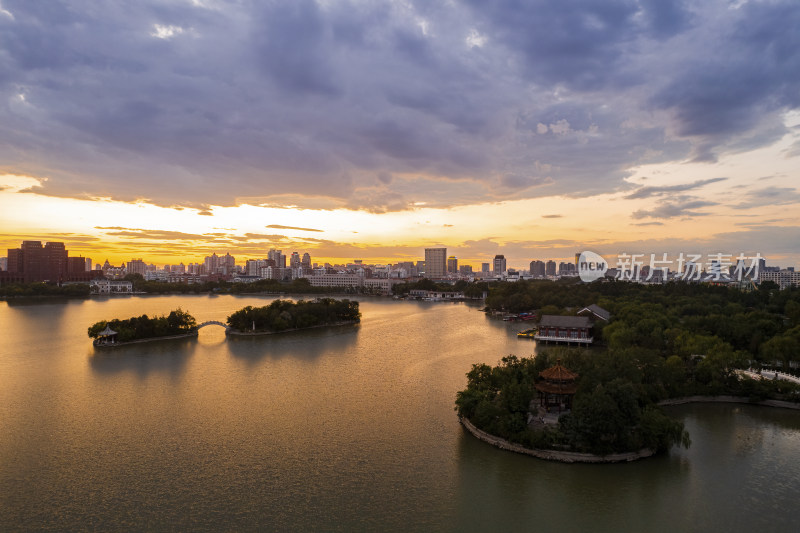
(769, 375)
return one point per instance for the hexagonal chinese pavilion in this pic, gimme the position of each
(557, 387)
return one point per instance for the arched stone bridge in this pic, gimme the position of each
(213, 323)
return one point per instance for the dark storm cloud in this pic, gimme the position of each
(379, 106)
(580, 43)
(290, 43)
(747, 71)
(665, 18)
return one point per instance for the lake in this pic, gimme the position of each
(333, 429)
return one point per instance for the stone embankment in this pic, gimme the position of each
(140, 341)
(554, 455)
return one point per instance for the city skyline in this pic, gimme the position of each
(32, 259)
(391, 128)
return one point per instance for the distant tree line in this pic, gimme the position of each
(281, 315)
(71, 290)
(269, 286)
(178, 322)
(674, 318)
(470, 289)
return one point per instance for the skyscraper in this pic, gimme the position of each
(76, 265)
(278, 257)
(33, 262)
(499, 264)
(227, 264)
(452, 265)
(435, 262)
(211, 263)
(537, 269)
(136, 266)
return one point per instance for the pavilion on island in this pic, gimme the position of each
(557, 387)
(107, 336)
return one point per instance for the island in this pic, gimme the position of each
(116, 332)
(286, 315)
(530, 405)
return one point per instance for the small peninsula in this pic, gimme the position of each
(617, 352)
(286, 315)
(118, 332)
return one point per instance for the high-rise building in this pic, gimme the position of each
(465, 269)
(227, 264)
(252, 267)
(278, 257)
(32, 262)
(452, 265)
(567, 269)
(211, 264)
(136, 266)
(537, 269)
(3, 263)
(550, 268)
(499, 264)
(37, 263)
(306, 261)
(485, 268)
(76, 265)
(55, 257)
(435, 262)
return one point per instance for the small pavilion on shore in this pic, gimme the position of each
(107, 336)
(557, 387)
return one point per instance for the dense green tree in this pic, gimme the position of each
(281, 315)
(178, 322)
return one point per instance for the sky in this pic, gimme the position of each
(171, 129)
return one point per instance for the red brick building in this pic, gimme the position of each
(32, 262)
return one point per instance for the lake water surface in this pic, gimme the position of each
(335, 429)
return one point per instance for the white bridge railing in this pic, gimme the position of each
(212, 323)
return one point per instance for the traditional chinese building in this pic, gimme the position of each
(594, 312)
(557, 387)
(566, 329)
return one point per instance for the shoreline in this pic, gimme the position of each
(237, 333)
(555, 455)
(149, 339)
(588, 458)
